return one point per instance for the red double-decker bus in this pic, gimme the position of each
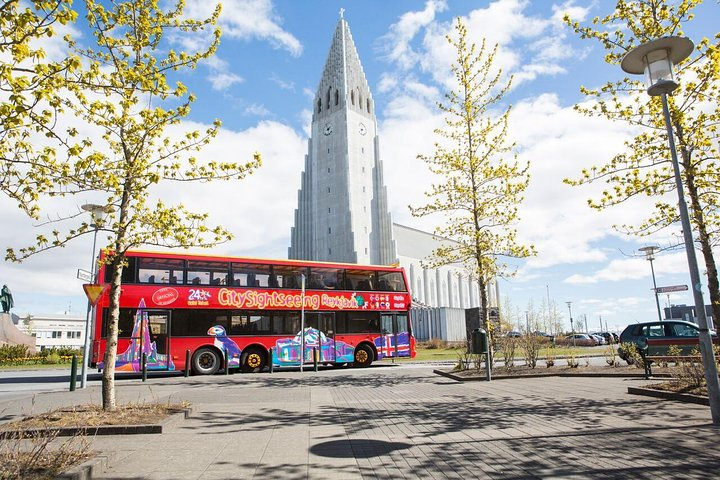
(248, 313)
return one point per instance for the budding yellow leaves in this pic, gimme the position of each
(481, 180)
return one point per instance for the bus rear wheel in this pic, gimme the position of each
(363, 356)
(252, 360)
(206, 361)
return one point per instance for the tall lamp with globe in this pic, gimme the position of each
(656, 59)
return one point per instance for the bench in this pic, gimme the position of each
(655, 346)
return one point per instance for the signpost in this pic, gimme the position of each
(94, 292)
(672, 288)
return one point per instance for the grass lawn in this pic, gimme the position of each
(453, 353)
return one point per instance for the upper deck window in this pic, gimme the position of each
(160, 270)
(325, 278)
(250, 275)
(203, 272)
(391, 282)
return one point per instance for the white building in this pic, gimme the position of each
(343, 212)
(54, 330)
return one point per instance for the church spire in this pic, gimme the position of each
(343, 80)
(342, 212)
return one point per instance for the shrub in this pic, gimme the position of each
(531, 345)
(632, 354)
(690, 371)
(53, 358)
(30, 455)
(508, 346)
(550, 357)
(572, 360)
(611, 355)
(9, 353)
(434, 344)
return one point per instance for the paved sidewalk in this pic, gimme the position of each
(404, 422)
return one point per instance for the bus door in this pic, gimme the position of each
(157, 327)
(324, 322)
(396, 335)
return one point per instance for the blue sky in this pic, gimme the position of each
(261, 84)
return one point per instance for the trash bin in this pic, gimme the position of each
(478, 341)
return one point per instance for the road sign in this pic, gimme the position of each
(94, 292)
(84, 275)
(672, 288)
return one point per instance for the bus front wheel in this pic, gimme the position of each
(253, 360)
(363, 356)
(206, 361)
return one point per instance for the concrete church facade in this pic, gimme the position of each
(343, 213)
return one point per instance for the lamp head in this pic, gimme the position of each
(649, 251)
(657, 59)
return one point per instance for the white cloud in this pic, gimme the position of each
(249, 19)
(397, 40)
(257, 109)
(223, 80)
(283, 84)
(633, 269)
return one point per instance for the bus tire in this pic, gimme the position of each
(363, 356)
(253, 360)
(206, 361)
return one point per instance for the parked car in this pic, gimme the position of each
(599, 339)
(578, 339)
(544, 336)
(667, 331)
(513, 334)
(609, 337)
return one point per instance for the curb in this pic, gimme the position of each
(542, 375)
(85, 470)
(680, 397)
(103, 429)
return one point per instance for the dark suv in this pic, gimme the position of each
(668, 331)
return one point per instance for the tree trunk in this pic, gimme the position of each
(699, 221)
(111, 341)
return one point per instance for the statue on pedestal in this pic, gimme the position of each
(6, 299)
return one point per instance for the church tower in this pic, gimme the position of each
(342, 212)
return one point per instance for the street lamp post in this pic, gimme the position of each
(656, 60)
(96, 211)
(572, 329)
(650, 256)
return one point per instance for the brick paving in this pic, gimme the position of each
(406, 422)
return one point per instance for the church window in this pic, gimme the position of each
(365, 250)
(352, 97)
(327, 98)
(363, 169)
(337, 97)
(319, 105)
(368, 105)
(364, 208)
(360, 100)
(328, 209)
(328, 169)
(329, 230)
(328, 150)
(328, 189)
(363, 189)
(362, 149)
(329, 251)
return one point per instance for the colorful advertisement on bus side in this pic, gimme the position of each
(286, 351)
(237, 298)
